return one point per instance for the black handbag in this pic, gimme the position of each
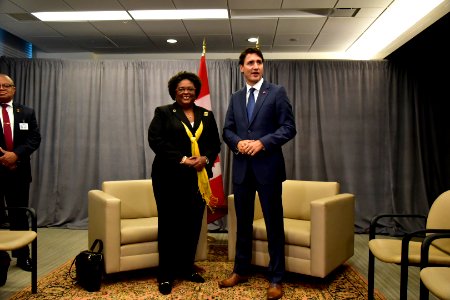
(89, 267)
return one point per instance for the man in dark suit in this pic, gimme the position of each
(19, 138)
(258, 165)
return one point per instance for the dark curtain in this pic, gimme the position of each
(358, 123)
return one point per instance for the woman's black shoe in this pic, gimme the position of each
(195, 277)
(165, 287)
(4, 266)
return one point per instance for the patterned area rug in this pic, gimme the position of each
(343, 283)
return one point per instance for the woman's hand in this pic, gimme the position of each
(197, 162)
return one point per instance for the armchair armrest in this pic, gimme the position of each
(426, 243)
(374, 221)
(332, 232)
(31, 214)
(104, 224)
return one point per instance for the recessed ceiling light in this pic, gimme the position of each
(253, 39)
(172, 41)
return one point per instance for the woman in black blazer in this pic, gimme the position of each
(186, 141)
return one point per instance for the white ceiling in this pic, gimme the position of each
(328, 34)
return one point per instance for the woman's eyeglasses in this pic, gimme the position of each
(182, 90)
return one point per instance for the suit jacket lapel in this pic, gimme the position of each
(179, 114)
(242, 103)
(18, 118)
(197, 117)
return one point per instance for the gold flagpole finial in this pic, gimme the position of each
(257, 43)
(204, 46)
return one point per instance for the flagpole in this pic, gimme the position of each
(204, 47)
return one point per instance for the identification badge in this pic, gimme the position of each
(23, 126)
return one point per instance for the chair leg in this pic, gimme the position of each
(424, 294)
(371, 276)
(34, 270)
(404, 279)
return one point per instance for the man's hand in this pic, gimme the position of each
(242, 145)
(8, 159)
(250, 147)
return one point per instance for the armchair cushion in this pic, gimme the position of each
(138, 230)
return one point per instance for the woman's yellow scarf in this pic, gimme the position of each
(202, 176)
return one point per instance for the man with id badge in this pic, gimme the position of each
(19, 138)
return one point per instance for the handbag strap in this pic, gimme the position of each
(100, 246)
(69, 273)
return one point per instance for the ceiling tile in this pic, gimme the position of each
(163, 27)
(214, 27)
(303, 25)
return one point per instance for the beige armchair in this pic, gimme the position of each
(124, 216)
(318, 225)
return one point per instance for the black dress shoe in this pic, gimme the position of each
(25, 264)
(165, 287)
(195, 277)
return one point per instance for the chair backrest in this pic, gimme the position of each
(136, 197)
(298, 194)
(438, 218)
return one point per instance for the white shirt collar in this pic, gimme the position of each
(257, 86)
(9, 103)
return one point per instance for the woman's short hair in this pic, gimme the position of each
(180, 76)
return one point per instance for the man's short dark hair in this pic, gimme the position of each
(250, 51)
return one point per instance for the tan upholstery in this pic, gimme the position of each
(437, 281)
(15, 239)
(389, 250)
(318, 225)
(124, 216)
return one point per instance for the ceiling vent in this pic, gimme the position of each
(343, 12)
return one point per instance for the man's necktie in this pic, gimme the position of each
(7, 129)
(250, 103)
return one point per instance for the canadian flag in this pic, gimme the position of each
(215, 182)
